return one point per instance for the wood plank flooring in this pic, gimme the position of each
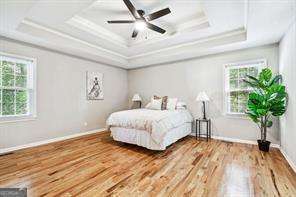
(95, 165)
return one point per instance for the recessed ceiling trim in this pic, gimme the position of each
(128, 58)
(33, 24)
(193, 23)
(199, 41)
(44, 45)
(187, 52)
(90, 27)
(50, 30)
(200, 23)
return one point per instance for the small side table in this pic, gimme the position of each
(198, 122)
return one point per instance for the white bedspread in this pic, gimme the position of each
(156, 122)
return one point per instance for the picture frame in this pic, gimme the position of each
(94, 85)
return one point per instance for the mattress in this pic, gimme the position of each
(155, 122)
(143, 138)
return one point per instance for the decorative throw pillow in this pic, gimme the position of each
(163, 101)
(156, 97)
(172, 103)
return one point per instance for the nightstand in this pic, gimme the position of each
(198, 122)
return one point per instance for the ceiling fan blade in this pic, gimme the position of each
(131, 8)
(155, 28)
(121, 21)
(135, 33)
(158, 14)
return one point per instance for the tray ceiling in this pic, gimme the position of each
(101, 11)
(194, 28)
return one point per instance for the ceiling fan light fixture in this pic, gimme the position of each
(141, 22)
(140, 25)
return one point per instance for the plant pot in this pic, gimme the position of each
(263, 145)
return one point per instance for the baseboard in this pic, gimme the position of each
(239, 140)
(289, 160)
(6, 150)
(242, 141)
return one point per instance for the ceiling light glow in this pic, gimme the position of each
(140, 25)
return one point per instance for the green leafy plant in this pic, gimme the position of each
(268, 98)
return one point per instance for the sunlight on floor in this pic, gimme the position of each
(236, 181)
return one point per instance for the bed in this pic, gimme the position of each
(153, 129)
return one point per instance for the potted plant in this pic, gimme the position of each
(268, 98)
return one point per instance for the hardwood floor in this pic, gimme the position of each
(95, 165)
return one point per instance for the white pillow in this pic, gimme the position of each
(172, 103)
(181, 105)
(155, 104)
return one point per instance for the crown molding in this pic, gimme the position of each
(94, 29)
(188, 44)
(69, 37)
(235, 32)
(38, 35)
(36, 43)
(197, 24)
(190, 49)
(149, 58)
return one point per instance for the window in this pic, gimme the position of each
(236, 90)
(17, 88)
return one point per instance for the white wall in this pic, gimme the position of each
(287, 59)
(62, 108)
(185, 79)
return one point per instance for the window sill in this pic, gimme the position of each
(5, 120)
(236, 116)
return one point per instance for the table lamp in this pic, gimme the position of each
(137, 98)
(202, 96)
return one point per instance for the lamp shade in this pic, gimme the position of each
(202, 96)
(136, 97)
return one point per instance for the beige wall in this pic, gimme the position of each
(185, 79)
(62, 108)
(288, 70)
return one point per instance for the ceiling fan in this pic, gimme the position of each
(142, 21)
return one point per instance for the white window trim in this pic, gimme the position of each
(225, 96)
(33, 103)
